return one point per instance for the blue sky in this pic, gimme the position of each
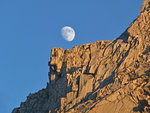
(29, 29)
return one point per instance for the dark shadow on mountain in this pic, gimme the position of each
(62, 72)
(142, 105)
(124, 36)
(58, 88)
(147, 50)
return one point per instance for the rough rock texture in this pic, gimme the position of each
(102, 77)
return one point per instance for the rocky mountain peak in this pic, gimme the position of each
(145, 6)
(102, 77)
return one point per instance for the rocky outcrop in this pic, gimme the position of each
(102, 77)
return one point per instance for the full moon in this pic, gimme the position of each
(68, 33)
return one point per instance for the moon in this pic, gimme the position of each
(68, 33)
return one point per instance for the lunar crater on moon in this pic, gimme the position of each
(68, 33)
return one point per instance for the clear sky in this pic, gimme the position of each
(29, 29)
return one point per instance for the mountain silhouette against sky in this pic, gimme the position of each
(102, 77)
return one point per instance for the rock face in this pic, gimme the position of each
(102, 77)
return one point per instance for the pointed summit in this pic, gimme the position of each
(140, 27)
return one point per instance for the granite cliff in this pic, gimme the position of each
(102, 77)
